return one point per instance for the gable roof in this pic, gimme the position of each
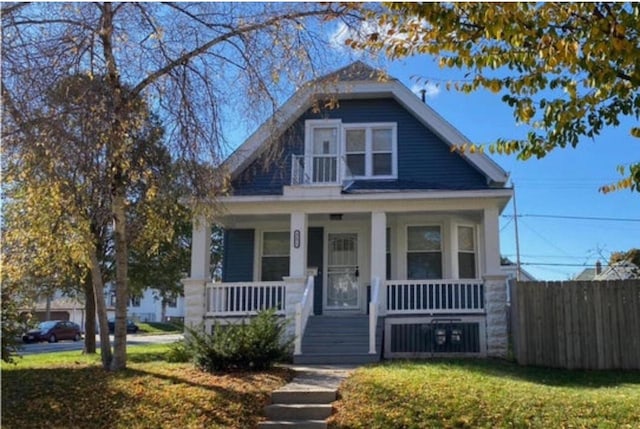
(358, 81)
(619, 271)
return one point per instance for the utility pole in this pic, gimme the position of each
(515, 220)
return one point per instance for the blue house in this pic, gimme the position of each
(350, 213)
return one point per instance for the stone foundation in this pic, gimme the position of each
(495, 293)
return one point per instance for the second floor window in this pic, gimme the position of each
(370, 150)
(335, 151)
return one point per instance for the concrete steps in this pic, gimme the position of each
(305, 403)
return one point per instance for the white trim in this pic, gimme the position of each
(302, 100)
(368, 127)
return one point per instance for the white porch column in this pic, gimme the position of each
(379, 245)
(298, 246)
(201, 249)
(194, 287)
(495, 287)
(491, 241)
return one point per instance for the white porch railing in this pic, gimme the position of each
(245, 298)
(373, 313)
(303, 310)
(434, 296)
(318, 170)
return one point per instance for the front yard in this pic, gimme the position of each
(486, 394)
(68, 390)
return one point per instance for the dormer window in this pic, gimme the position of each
(335, 151)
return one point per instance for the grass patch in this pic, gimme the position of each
(158, 328)
(70, 390)
(486, 394)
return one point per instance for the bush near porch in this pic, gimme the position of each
(70, 390)
(486, 394)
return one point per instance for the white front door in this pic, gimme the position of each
(342, 271)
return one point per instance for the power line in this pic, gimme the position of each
(608, 219)
(555, 264)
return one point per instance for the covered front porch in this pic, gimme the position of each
(357, 261)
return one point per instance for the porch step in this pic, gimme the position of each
(335, 358)
(290, 412)
(317, 396)
(307, 424)
(338, 340)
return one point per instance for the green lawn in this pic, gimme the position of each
(486, 394)
(159, 328)
(69, 390)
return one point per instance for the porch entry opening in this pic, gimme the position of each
(342, 271)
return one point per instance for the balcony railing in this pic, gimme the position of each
(434, 296)
(318, 170)
(242, 299)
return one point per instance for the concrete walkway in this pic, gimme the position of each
(305, 402)
(318, 376)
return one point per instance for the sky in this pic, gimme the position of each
(565, 183)
(555, 195)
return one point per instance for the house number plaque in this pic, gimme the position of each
(296, 238)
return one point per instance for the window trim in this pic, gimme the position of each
(311, 124)
(408, 251)
(261, 254)
(368, 150)
(474, 231)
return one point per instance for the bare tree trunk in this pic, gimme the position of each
(89, 316)
(122, 294)
(98, 291)
(163, 309)
(47, 309)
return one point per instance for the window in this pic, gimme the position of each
(370, 150)
(275, 256)
(466, 252)
(356, 152)
(134, 301)
(424, 252)
(172, 302)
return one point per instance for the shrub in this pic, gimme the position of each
(252, 346)
(179, 352)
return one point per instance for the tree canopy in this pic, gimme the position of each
(568, 70)
(178, 64)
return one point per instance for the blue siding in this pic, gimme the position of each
(424, 160)
(237, 262)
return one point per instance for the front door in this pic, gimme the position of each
(342, 271)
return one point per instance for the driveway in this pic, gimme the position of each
(65, 346)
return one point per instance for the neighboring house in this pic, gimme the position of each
(356, 220)
(510, 269)
(589, 273)
(622, 270)
(148, 308)
(144, 308)
(58, 307)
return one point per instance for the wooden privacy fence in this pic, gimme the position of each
(577, 324)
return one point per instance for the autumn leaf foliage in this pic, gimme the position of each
(568, 70)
